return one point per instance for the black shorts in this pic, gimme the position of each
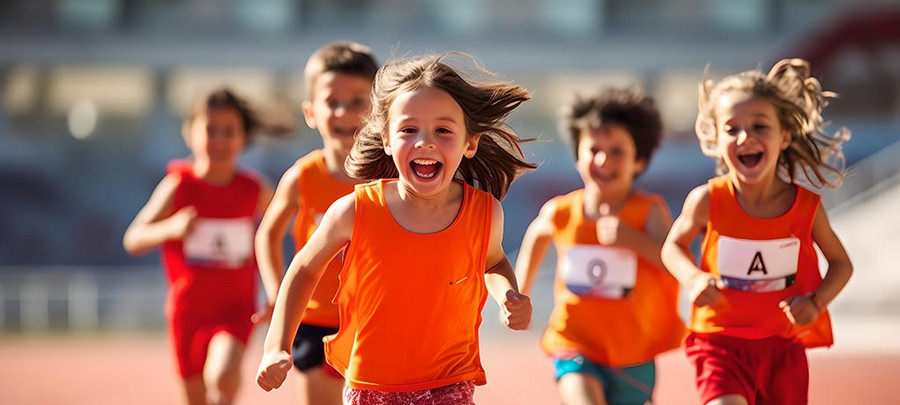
(308, 349)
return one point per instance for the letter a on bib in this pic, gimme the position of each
(757, 264)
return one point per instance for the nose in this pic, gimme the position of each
(340, 110)
(599, 159)
(742, 137)
(426, 140)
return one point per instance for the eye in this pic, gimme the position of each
(733, 131)
(617, 152)
(357, 103)
(443, 131)
(408, 130)
(760, 127)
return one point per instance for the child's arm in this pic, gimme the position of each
(515, 308)
(611, 231)
(804, 309)
(537, 239)
(269, 236)
(676, 250)
(299, 282)
(155, 223)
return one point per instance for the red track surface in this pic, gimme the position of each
(101, 370)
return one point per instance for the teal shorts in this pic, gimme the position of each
(622, 385)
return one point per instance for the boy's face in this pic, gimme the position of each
(339, 103)
(607, 157)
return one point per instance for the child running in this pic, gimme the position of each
(422, 245)
(616, 307)
(758, 298)
(204, 213)
(338, 82)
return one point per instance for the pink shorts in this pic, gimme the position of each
(462, 393)
(764, 371)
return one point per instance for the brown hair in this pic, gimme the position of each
(627, 107)
(498, 159)
(226, 99)
(341, 57)
(799, 100)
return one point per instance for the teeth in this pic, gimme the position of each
(424, 162)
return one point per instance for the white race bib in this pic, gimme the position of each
(758, 265)
(225, 243)
(599, 271)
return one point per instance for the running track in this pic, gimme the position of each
(136, 370)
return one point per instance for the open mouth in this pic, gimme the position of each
(750, 159)
(344, 131)
(425, 168)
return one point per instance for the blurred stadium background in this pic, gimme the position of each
(92, 94)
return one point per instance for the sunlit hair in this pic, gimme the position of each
(799, 100)
(627, 107)
(341, 57)
(498, 159)
(253, 124)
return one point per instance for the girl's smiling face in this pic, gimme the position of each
(427, 140)
(750, 137)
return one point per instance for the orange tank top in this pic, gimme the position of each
(762, 261)
(410, 304)
(611, 306)
(317, 190)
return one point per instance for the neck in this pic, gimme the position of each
(758, 192)
(594, 197)
(213, 173)
(334, 162)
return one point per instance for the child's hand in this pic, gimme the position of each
(800, 309)
(182, 222)
(273, 369)
(263, 315)
(515, 310)
(611, 231)
(705, 290)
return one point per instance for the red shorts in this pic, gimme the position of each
(190, 335)
(764, 371)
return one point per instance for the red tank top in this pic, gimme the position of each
(632, 315)
(763, 261)
(214, 266)
(410, 303)
(317, 190)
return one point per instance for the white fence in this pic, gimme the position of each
(42, 299)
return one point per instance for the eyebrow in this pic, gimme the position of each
(405, 118)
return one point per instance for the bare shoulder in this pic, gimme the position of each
(340, 216)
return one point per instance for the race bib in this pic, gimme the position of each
(758, 265)
(223, 243)
(599, 271)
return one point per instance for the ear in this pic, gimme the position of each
(786, 141)
(308, 114)
(639, 166)
(186, 133)
(472, 146)
(386, 142)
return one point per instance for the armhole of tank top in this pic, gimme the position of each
(716, 192)
(810, 201)
(350, 247)
(652, 201)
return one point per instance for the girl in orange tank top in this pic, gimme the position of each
(758, 298)
(423, 245)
